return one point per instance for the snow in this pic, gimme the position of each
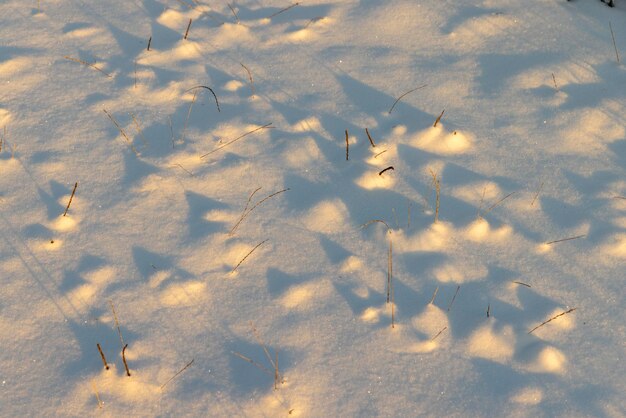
(217, 230)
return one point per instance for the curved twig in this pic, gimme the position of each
(209, 89)
(399, 98)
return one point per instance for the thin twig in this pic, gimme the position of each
(179, 372)
(149, 43)
(380, 173)
(439, 118)
(138, 127)
(454, 297)
(438, 334)
(492, 207)
(128, 140)
(104, 360)
(247, 211)
(614, 44)
(276, 373)
(389, 271)
(248, 255)
(436, 184)
(193, 100)
(188, 27)
(554, 79)
(249, 360)
(347, 147)
(408, 92)
(537, 194)
(382, 152)
(565, 239)
(117, 324)
(249, 77)
(266, 126)
(408, 216)
(432, 300)
(234, 12)
(393, 306)
(183, 168)
(488, 310)
(551, 319)
(95, 391)
(124, 360)
(370, 138)
(71, 197)
(368, 223)
(283, 10)
(256, 334)
(523, 284)
(88, 65)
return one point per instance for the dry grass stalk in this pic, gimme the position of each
(408, 216)
(248, 255)
(124, 360)
(492, 207)
(169, 119)
(187, 31)
(247, 211)
(389, 269)
(117, 324)
(370, 138)
(551, 319)
(276, 372)
(193, 100)
(139, 131)
(249, 77)
(88, 65)
(104, 360)
(382, 152)
(537, 194)
(95, 391)
(277, 378)
(149, 43)
(128, 141)
(217, 103)
(249, 360)
(380, 173)
(523, 284)
(368, 223)
(438, 334)
(614, 44)
(488, 310)
(432, 300)
(437, 186)
(179, 372)
(480, 207)
(400, 98)
(454, 297)
(565, 239)
(71, 197)
(234, 12)
(184, 169)
(283, 10)
(439, 118)
(266, 126)
(554, 79)
(347, 146)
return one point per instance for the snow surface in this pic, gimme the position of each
(531, 149)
